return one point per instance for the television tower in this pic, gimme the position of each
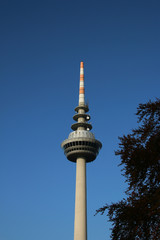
(81, 147)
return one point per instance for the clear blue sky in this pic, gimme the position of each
(41, 46)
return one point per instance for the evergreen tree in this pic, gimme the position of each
(138, 216)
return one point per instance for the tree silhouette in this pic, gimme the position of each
(138, 216)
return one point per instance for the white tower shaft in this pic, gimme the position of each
(80, 222)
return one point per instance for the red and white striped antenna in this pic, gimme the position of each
(81, 86)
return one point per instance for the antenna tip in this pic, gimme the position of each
(81, 64)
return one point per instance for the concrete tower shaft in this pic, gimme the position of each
(81, 147)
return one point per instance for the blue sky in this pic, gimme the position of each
(41, 46)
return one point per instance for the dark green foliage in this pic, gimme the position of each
(138, 216)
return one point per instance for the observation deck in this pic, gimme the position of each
(81, 142)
